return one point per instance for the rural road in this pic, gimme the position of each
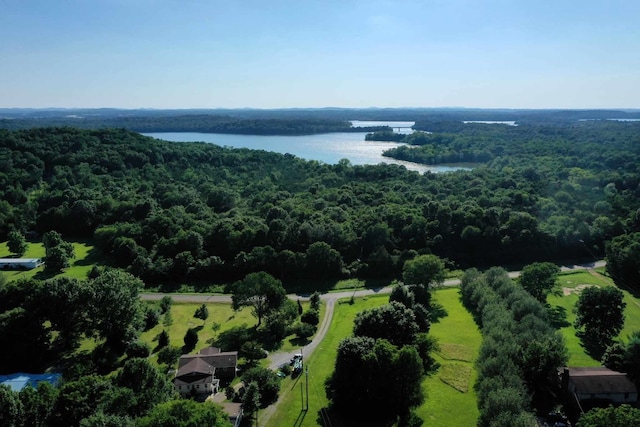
(278, 358)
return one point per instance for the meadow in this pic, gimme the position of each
(563, 303)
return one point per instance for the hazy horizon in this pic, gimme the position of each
(169, 54)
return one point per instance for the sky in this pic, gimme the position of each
(308, 53)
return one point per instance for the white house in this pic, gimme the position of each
(20, 263)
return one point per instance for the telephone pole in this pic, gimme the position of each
(307, 378)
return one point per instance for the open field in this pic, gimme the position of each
(570, 284)
(450, 398)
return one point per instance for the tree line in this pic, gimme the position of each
(520, 351)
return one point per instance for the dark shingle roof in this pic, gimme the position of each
(600, 381)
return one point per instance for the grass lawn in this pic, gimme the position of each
(450, 398)
(182, 319)
(450, 401)
(86, 257)
(571, 283)
(320, 365)
(220, 314)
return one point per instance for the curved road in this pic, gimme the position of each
(330, 298)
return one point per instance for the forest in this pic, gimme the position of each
(173, 213)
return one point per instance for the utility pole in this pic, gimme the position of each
(307, 378)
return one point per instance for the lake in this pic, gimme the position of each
(328, 148)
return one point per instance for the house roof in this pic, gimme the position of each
(600, 381)
(232, 409)
(206, 362)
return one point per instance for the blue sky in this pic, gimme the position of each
(307, 53)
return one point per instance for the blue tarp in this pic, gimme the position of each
(20, 380)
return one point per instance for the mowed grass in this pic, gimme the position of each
(182, 319)
(450, 398)
(564, 305)
(320, 365)
(86, 257)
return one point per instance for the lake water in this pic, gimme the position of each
(328, 148)
(493, 122)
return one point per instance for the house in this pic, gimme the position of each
(588, 387)
(201, 373)
(20, 263)
(20, 380)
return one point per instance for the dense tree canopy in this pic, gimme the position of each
(176, 212)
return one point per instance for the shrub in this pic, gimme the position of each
(138, 349)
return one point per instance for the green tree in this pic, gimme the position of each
(165, 304)
(623, 259)
(539, 279)
(38, 403)
(251, 401)
(393, 322)
(268, 383)
(149, 385)
(100, 419)
(11, 409)
(169, 355)
(184, 413)
(428, 270)
(260, 291)
(58, 253)
(600, 311)
(621, 416)
(80, 399)
(314, 300)
(202, 312)
(190, 339)
(116, 310)
(17, 244)
(163, 339)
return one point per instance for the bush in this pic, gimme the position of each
(169, 355)
(151, 317)
(303, 330)
(163, 339)
(165, 304)
(312, 317)
(190, 339)
(138, 349)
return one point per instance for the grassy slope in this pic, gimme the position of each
(459, 340)
(577, 355)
